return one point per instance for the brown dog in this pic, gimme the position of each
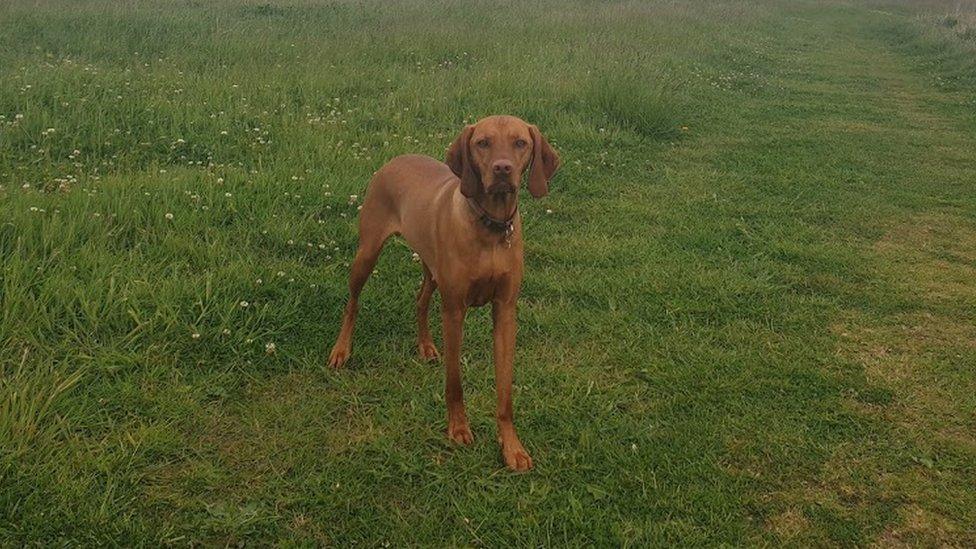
(462, 220)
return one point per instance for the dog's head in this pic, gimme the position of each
(491, 155)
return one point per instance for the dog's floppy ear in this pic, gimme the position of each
(545, 162)
(459, 160)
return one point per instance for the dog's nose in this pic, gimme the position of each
(502, 167)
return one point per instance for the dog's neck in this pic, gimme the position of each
(495, 211)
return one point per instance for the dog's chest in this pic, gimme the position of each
(488, 278)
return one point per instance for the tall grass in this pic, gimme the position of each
(179, 186)
(27, 399)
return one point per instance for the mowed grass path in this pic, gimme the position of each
(749, 314)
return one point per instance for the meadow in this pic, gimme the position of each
(749, 313)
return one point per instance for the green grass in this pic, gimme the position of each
(747, 320)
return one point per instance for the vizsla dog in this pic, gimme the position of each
(461, 217)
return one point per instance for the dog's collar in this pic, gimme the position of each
(506, 226)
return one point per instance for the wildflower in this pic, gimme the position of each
(220, 180)
(169, 216)
(270, 348)
(548, 211)
(244, 304)
(416, 256)
(225, 331)
(196, 335)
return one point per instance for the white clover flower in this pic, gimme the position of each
(169, 216)
(270, 348)
(196, 335)
(244, 304)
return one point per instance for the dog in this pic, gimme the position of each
(461, 217)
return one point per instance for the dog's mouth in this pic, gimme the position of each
(501, 187)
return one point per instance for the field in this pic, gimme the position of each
(749, 314)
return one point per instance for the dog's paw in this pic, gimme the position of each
(339, 356)
(460, 433)
(428, 352)
(516, 458)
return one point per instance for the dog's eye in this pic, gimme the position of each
(521, 143)
(483, 143)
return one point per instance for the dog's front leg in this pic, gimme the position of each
(503, 316)
(452, 315)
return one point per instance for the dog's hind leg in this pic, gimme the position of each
(425, 343)
(374, 229)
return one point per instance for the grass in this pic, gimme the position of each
(747, 320)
